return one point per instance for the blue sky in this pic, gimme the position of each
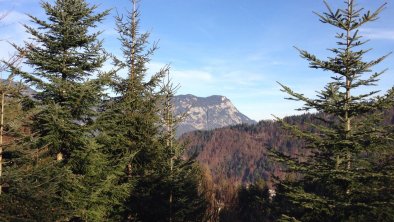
(234, 48)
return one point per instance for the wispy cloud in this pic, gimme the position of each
(14, 2)
(185, 75)
(374, 33)
(11, 25)
(192, 75)
(13, 17)
(11, 31)
(243, 78)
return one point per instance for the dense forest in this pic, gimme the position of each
(75, 152)
(240, 154)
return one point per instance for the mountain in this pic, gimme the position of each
(200, 113)
(239, 154)
(206, 113)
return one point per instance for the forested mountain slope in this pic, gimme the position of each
(239, 154)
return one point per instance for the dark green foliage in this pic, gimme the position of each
(347, 176)
(166, 195)
(128, 125)
(158, 184)
(32, 192)
(179, 192)
(65, 56)
(252, 203)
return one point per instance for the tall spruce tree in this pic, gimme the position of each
(182, 176)
(137, 129)
(65, 56)
(69, 170)
(348, 175)
(129, 123)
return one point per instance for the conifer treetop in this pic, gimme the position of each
(348, 68)
(65, 44)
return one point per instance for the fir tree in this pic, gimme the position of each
(348, 175)
(251, 203)
(129, 122)
(173, 189)
(182, 177)
(65, 56)
(137, 129)
(69, 169)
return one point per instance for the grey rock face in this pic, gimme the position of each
(207, 113)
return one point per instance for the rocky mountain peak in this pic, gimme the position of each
(206, 113)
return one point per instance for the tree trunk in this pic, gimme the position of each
(1, 137)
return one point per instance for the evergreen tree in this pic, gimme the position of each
(129, 122)
(137, 129)
(182, 177)
(69, 169)
(65, 56)
(9, 104)
(348, 174)
(251, 203)
(15, 158)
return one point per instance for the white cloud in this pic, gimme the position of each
(11, 27)
(192, 75)
(186, 76)
(156, 66)
(243, 78)
(12, 17)
(13, 3)
(373, 33)
(199, 82)
(11, 30)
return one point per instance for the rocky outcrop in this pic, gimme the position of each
(206, 113)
